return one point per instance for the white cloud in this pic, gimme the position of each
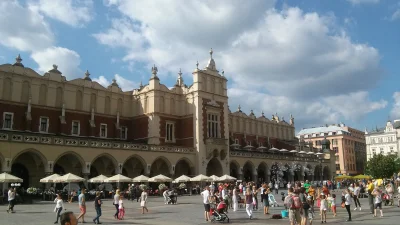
(358, 2)
(68, 61)
(291, 61)
(22, 28)
(395, 112)
(75, 13)
(396, 14)
(124, 84)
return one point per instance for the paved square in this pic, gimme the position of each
(189, 210)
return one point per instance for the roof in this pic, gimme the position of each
(318, 130)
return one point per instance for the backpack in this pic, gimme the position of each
(294, 202)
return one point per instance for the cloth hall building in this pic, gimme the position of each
(53, 125)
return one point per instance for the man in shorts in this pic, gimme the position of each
(82, 205)
(206, 201)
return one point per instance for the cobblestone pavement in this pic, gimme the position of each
(189, 210)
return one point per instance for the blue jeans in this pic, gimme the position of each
(98, 211)
(58, 213)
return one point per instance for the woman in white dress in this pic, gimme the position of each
(235, 199)
(143, 201)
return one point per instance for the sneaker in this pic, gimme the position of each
(355, 209)
(360, 208)
(348, 220)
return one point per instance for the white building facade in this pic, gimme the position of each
(384, 140)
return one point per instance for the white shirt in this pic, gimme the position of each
(398, 189)
(356, 191)
(11, 195)
(347, 197)
(116, 199)
(59, 203)
(206, 194)
(223, 193)
(121, 204)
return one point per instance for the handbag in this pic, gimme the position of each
(343, 205)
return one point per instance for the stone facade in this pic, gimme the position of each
(384, 141)
(52, 125)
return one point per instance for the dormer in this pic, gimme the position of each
(389, 126)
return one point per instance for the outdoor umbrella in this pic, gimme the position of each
(293, 151)
(140, 179)
(160, 178)
(343, 177)
(283, 150)
(69, 178)
(99, 179)
(8, 178)
(118, 178)
(200, 178)
(273, 149)
(361, 176)
(214, 178)
(182, 179)
(226, 178)
(49, 179)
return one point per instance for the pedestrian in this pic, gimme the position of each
(143, 200)
(323, 207)
(165, 195)
(332, 200)
(265, 200)
(306, 205)
(295, 206)
(116, 203)
(398, 196)
(82, 205)
(370, 188)
(68, 218)
(378, 200)
(276, 188)
(347, 203)
(11, 200)
(249, 202)
(59, 206)
(235, 199)
(206, 201)
(97, 206)
(255, 198)
(121, 208)
(356, 195)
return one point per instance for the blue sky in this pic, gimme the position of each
(324, 61)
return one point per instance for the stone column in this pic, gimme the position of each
(240, 174)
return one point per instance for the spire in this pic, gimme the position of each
(262, 113)
(140, 85)
(239, 109)
(211, 62)
(87, 76)
(18, 61)
(211, 52)
(154, 71)
(179, 81)
(251, 113)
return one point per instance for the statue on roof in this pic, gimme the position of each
(291, 120)
(154, 72)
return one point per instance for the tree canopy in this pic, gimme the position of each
(383, 166)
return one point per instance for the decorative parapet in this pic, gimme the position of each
(89, 143)
(304, 158)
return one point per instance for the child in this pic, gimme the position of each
(121, 208)
(333, 204)
(329, 200)
(378, 201)
(323, 207)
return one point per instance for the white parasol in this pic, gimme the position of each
(8, 178)
(69, 178)
(182, 179)
(214, 178)
(49, 179)
(99, 179)
(160, 178)
(226, 178)
(118, 178)
(140, 179)
(200, 178)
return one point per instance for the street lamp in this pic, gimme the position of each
(324, 154)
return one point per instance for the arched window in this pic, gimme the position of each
(26, 90)
(59, 97)
(93, 100)
(43, 95)
(78, 100)
(107, 105)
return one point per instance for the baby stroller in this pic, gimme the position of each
(219, 213)
(272, 201)
(171, 198)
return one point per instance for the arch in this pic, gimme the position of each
(43, 94)
(30, 166)
(248, 169)
(214, 167)
(59, 97)
(308, 172)
(317, 173)
(107, 105)
(184, 167)
(298, 172)
(26, 90)
(160, 165)
(286, 173)
(134, 166)
(262, 172)
(7, 89)
(104, 164)
(78, 100)
(69, 162)
(223, 153)
(326, 173)
(234, 168)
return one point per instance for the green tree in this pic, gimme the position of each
(383, 166)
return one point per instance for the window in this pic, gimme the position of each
(213, 125)
(381, 151)
(334, 141)
(76, 128)
(103, 130)
(374, 151)
(8, 120)
(170, 137)
(44, 124)
(391, 150)
(124, 133)
(237, 142)
(337, 166)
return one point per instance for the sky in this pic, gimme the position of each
(324, 61)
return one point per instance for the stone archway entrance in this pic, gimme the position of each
(317, 173)
(69, 163)
(183, 167)
(286, 173)
(234, 170)
(326, 173)
(262, 172)
(297, 173)
(160, 166)
(29, 166)
(103, 164)
(134, 166)
(214, 167)
(248, 169)
(276, 173)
